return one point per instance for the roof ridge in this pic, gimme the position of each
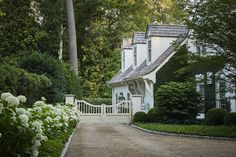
(152, 24)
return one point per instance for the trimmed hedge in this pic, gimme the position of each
(62, 77)
(140, 117)
(230, 119)
(19, 82)
(153, 115)
(99, 101)
(202, 130)
(215, 116)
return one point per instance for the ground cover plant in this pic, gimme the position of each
(202, 130)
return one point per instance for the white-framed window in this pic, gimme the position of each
(128, 96)
(116, 98)
(149, 51)
(135, 56)
(123, 60)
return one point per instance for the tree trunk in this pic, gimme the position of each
(61, 43)
(72, 35)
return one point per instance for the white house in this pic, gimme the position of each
(142, 57)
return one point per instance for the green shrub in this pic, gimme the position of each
(99, 101)
(230, 119)
(215, 116)
(19, 82)
(177, 102)
(62, 77)
(72, 81)
(140, 117)
(153, 115)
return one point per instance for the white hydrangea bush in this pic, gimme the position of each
(22, 130)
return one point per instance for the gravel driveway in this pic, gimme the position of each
(120, 140)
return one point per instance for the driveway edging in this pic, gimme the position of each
(182, 135)
(66, 146)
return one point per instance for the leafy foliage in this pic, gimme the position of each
(230, 119)
(177, 102)
(153, 115)
(140, 117)
(170, 71)
(23, 129)
(99, 101)
(62, 77)
(214, 29)
(202, 130)
(101, 24)
(20, 33)
(215, 116)
(20, 82)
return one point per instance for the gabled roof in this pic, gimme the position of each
(165, 30)
(145, 69)
(138, 38)
(120, 76)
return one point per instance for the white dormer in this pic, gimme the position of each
(126, 54)
(139, 48)
(159, 37)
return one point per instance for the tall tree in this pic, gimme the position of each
(20, 33)
(214, 29)
(102, 24)
(72, 35)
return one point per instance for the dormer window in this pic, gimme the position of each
(149, 51)
(135, 56)
(123, 60)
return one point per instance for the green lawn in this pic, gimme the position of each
(202, 130)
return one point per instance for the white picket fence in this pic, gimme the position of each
(118, 113)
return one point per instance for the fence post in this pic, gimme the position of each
(69, 99)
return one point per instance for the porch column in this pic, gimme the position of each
(69, 99)
(136, 103)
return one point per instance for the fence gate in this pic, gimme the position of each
(118, 113)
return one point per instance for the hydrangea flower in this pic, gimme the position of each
(37, 143)
(5, 95)
(22, 98)
(21, 111)
(1, 108)
(48, 119)
(37, 126)
(12, 100)
(35, 153)
(39, 103)
(37, 109)
(43, 98)
(24, 118)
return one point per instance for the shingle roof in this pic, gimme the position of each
(164, 30)
(120, 75)
(138, 38)
(144, 69)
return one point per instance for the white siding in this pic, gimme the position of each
(128, 58)
(148, 97)
(159, 45)
(141, 53)
(117, 90)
